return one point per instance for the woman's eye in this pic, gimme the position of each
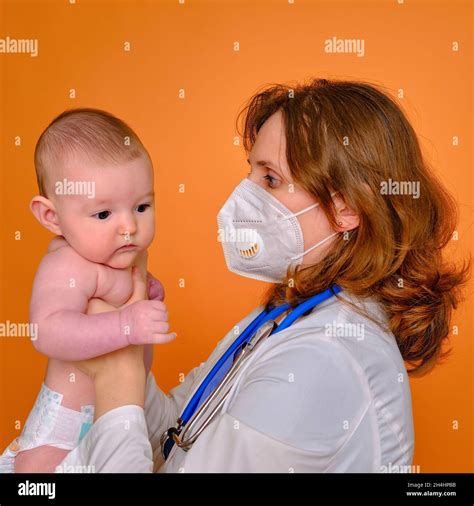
(272, 181)
(103, 215)
(142, 208)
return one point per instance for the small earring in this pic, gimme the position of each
(339, 222)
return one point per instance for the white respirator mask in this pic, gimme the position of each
(260, 237)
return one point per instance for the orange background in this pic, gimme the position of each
(190, 46)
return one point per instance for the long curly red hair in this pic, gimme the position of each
(352, 137)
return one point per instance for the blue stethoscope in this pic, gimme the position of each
(220, 376)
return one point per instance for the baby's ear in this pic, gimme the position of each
(44, 211)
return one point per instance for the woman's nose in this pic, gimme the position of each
(254, 178)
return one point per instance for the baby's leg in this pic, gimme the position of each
(42, 459)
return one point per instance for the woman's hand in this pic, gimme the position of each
(91, 366)
(120, 376)
(128, 360)
(154, 291)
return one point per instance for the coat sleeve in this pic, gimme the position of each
(116, 443)
(297, 409)
(127, 439)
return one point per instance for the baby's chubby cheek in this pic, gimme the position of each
(95, 250)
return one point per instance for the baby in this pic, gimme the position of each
(96, 195)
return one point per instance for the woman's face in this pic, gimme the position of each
(269, 169)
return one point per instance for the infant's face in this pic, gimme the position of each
(120, 213)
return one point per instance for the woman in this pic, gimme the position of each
(338, 197)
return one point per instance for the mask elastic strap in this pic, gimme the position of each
(306, 209)
(313, 247)
(299, 212)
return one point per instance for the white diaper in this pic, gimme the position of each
(51, 424)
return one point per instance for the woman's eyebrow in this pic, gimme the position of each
(265, 163)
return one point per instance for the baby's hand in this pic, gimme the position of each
(145, 321)
(156, 290)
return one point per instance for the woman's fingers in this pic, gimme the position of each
(139, 286)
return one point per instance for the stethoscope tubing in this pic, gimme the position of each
(190, 414)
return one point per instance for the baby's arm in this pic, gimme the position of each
(63, 286)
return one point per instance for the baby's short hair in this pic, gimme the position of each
(90, 133)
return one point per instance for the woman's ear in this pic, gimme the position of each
(44, 211)
(346, 218)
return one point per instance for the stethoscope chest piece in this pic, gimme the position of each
(257, 331)
(173, 435)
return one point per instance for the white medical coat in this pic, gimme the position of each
(312, 398)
